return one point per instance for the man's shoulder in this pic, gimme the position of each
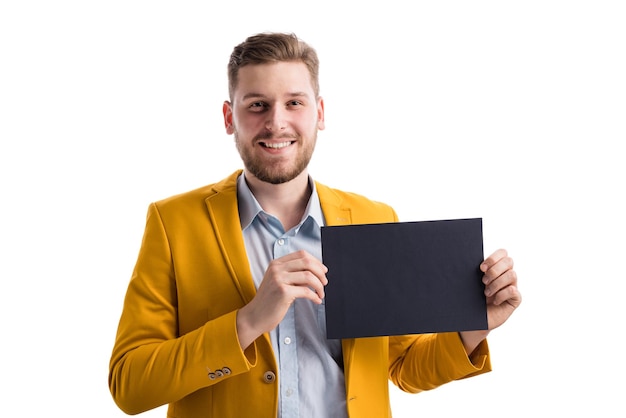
(355, 199)
(362, 208)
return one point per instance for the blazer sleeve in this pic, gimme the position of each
(151, 364)
(426, 361)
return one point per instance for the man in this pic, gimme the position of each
(224, 314)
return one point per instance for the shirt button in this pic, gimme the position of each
(281, 241)
(287, 340)
(289, 392)
(269, 377)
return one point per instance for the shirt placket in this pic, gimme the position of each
(287, 346)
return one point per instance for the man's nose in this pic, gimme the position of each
(276, 119)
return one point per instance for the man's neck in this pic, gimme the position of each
(287, 201)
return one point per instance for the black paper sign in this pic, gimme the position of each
(404, 278)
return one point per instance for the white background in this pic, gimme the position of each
(509, 111)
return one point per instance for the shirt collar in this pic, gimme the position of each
(249, 207)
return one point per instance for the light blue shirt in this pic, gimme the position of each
(310, 367)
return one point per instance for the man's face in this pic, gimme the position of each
(274, 117)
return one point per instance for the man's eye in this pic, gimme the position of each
(258, 106)
(294, 103)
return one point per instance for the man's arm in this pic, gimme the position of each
(151, 364)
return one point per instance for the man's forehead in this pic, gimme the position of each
(285, 78)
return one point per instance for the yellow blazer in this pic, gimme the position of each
(177, 339)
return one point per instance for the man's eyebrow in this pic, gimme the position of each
(253, 95)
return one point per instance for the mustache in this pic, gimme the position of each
(270, 136)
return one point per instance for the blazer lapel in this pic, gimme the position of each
(224, 216)
(335, 213)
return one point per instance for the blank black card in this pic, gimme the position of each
(404, 278)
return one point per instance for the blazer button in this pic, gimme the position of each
(226, 371)
(219, 373)
(269, 377)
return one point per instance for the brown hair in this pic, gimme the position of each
(272, 47)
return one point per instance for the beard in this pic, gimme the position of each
(276, 170)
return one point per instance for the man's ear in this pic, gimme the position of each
(320, 114)
(227, 110)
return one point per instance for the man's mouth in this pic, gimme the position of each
(276, 145)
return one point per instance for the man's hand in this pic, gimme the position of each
(502, 294)
(296, 275)
(500, 281)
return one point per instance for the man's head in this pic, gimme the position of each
(266, 48)
(274, 110)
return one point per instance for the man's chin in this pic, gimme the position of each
(276, 177)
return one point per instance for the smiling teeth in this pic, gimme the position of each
(279, 145)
